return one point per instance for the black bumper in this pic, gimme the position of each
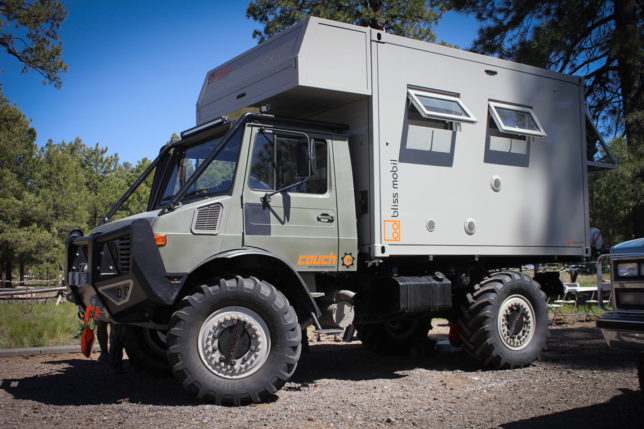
(124, 270)
(623, 330)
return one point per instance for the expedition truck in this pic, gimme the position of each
(623, 325)
(381, 182)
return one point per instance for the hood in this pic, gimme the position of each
(632, 246)
(116, 224)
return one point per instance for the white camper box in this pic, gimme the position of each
(453, 153)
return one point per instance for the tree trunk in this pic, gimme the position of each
(21, 269)
(630, 68)
(6, 272)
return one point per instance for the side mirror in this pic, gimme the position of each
(305, 160)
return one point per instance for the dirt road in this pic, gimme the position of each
(578, 382)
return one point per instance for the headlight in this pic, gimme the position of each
(627, 269)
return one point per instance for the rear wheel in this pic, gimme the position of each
(505, 321)
(147, 349)
(234, 342)
(396, 336)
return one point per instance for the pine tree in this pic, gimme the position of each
(409, 18)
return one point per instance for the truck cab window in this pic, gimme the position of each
(274, 164)
(217, 177)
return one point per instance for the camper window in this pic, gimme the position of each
(516, 119)
(440, 106)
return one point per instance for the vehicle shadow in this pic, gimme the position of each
(86, 382)
(83, 382)
(352, 362)
(577, 347)
(622, 411)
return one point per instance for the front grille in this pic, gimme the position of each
(122, 248)
(629, 299)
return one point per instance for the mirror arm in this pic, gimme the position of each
(266, 199)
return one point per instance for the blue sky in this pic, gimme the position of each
(136, 68)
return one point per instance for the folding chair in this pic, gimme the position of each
(567, 299)
(556, 310)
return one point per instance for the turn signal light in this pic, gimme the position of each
(161, 240)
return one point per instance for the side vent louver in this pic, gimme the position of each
(206, 219)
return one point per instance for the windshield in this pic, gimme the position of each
(216, 179)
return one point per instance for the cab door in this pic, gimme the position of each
(299, 223)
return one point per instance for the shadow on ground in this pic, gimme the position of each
(85, 382)
(81, 382)
(622, 411)
(578, 347)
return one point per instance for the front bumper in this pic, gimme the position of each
(121, 272)
(623, 330)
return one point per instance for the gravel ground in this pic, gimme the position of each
(578, 382)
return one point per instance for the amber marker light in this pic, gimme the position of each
(161, 240)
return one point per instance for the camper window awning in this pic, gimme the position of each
(440, 106)
(516, 119)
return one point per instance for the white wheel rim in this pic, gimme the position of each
(234, 342)
(516, 322)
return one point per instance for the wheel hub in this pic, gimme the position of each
(515, 322)
(234, 342)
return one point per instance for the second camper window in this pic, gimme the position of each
(516, 119)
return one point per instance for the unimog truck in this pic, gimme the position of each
(377, 183)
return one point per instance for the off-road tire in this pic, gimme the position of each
(504, 323)
(640, 372)
(395, 337)
(234, 342)
(146, 349)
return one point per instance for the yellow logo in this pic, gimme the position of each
(347, 260)
(392, 230)
(329, 259)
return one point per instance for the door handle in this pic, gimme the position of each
(325, 217)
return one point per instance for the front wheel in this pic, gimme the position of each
(147, 349)
(505, 321)
(234, 342)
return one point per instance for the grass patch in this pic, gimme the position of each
(585, 280)
(38, 325)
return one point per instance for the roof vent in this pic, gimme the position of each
(206, 219)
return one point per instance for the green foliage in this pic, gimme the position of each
(50, 191)
(38, 325)
(17, 216)
(611, 196)
(29, 32)
(138, 201)
(410, 18)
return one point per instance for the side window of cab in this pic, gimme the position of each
(274, 164)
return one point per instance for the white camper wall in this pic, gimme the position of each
(438, 208)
